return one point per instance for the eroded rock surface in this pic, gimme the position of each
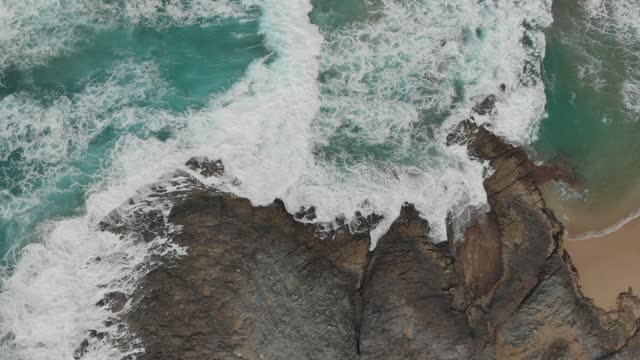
(206, 167)
(411, 307)
(257, 284)
(535, 310)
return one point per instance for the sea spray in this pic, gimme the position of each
(616, 23)
(350, 119)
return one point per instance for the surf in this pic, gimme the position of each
(348, 118)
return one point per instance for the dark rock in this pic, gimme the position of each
(407, 311)
(115, 300)
(479, 257)
(306, 213)
(7, 337)
(81, 350)
(206, 167)
(99, 335)
(143, 217)
(364, 224)
(257, 284)
(487, 106)
(558, 170)
(534, 309)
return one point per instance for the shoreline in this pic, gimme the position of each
(606, 253)
(252, 269)
(584, 220)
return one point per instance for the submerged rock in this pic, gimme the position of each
(206, 167)
(257, 284)
(114, 300)
(487, 106)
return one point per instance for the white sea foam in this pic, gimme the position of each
(270, 127)
(608, 230)
(33, 31)
(397, 67)
(385, 73)
(48, 303)
(618, 20)
(181, 12)
(622, 15)
(52, 136)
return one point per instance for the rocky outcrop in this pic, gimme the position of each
(255, 283)
(412, 308)
(206, 167)
(535, 309)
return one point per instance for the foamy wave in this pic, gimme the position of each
(51, 138)
(403, 70)
(176, 12)
(618, 20)
(609, 230)
(261, 127)
(49, 302)
(381, 77)
(631, 96)
(388, 83)
(33, 31)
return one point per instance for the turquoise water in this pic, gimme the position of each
(341, 105)
(590, 124)
(390, 75)
(183, 67)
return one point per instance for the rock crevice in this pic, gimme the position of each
(257, 284)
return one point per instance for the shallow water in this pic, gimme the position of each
(590, 72)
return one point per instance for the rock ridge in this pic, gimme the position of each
(258, 284)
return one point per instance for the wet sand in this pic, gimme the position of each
(607, 264)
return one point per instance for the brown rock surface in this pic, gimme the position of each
(412, 308)
(256, 284)
(535, 310)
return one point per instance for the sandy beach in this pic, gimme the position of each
(608, 259)
(608, 265)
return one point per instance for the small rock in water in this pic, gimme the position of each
(363, 224)
(486, 106)
(7, 337)
(97, 334)
(115, 300)
(306, 213)
(81, 350)
(206, 167)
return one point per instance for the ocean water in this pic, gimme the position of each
(592, 80)
(341, 105)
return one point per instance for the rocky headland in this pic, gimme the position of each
(257, 284)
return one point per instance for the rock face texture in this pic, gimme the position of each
(534, 310)
(411, 307)
(256, 284)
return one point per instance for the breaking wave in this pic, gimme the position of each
(346, 118)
